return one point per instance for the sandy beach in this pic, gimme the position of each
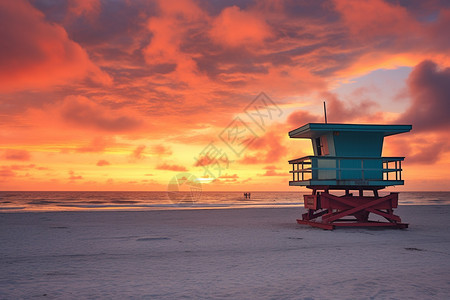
(253, 253)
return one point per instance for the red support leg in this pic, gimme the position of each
(327, 211)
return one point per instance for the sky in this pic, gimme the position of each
(130, 95)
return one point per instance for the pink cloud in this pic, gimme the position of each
(301, 117)
(360, 111)
(340, 111)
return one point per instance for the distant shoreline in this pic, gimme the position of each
(178, 208)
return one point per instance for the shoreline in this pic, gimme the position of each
(106, 208)
(152, 201)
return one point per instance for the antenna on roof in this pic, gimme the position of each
(325, 111)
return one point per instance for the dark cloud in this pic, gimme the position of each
(429, 88)
(112, 22)
(425, 11)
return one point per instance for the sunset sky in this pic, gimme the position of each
(125, 95)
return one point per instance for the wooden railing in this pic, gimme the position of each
(346, 168)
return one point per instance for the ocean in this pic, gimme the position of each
(11, 201)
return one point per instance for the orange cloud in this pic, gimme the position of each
(301, 117)
(235, 27)
(83, 112)
(232, 181)
(73, 176)
(375, 18)
(168, 31)
(274, 173)
(16, 154)
(161, 150)
(268, 148)
(168, 167)
(102, 163)
(226, 176)
(6, 172)
(214, 158)
(12, 171)
(39, 54)
(271, 171)
(98, 144)
(138, 152)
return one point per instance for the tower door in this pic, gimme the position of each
(318, 146)
(322, 146)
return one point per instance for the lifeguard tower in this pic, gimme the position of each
(347, 158)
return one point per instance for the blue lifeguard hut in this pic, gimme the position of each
(347, 158)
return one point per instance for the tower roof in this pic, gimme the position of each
(312, 130)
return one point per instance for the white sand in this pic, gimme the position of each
(220, 254)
